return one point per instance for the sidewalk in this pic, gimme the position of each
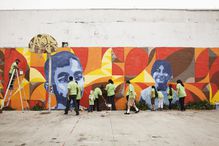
(32, 128)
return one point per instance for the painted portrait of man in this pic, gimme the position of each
(162, 74)
(64, 65)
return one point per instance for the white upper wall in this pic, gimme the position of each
(106, 4)
(111, 28)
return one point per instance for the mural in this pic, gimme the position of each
(162, 73)
(65, 64)
(1, 73)
(198, 68)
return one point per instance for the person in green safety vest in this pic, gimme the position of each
(110, 88)
(97, 94)
(170, 93)
(14, 67)
(71, 95)
(131, 98)
(91, 101)
(181, 94)
(79, 95)
(154, 95)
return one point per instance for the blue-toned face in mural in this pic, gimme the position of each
(162, 73)
(64, 64)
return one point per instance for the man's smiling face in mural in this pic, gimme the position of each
(64, 64)
(162, 73)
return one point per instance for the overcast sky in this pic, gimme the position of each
(98, 4)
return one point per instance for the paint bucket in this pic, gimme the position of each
(21, 72)
(109, 105)
(217, 105)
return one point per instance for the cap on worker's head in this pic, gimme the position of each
(71, 78)
(128, 82)
(110, 81)
(101, 87)
(17, 60)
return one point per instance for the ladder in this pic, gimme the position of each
(12, 78)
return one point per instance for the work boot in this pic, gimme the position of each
(137, 111)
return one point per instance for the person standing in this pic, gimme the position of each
(79, 96)
(71, 95)
(110, 88)
(97, 94)
(14, 67)
(170, 95)
(12, 76)
(153, 96)
(91, 101)
(181, 94)
(160, 99)
(1, 100)
(162, 73)
(65, 64)
(131, 98)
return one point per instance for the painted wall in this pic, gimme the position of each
(92, 67)
(113, 28)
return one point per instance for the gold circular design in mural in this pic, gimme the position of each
(43, 43)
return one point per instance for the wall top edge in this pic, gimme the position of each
(110, 9)
(119, 47)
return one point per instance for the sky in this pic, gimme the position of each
(108, 4)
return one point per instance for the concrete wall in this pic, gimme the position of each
(133, 28)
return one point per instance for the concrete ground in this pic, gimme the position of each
(200, 128)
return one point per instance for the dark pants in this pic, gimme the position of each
(72, 97)
(78, 104)
(111, 101)
(96, 104)
(12, 81)
(91, 108)
(181, 102)
(126, 106)
(170, 104)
